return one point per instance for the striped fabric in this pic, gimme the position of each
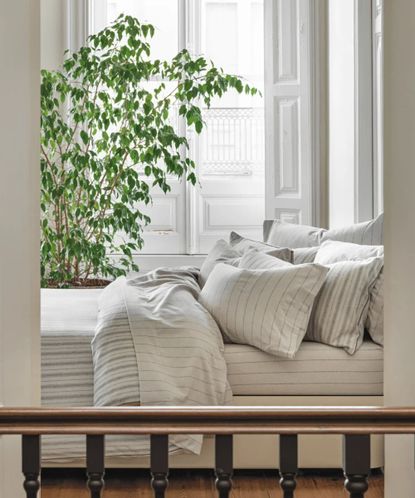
(115, 354)
(304, 255)
(292, 235)
(340, 310)
(256, 260)
(175, 344)
(266, 309)
(69, 317)
(375, 316)
(367, 233)
(316, 370)
(242, 244)
(68, 323)
(221, 252)
(334, 251)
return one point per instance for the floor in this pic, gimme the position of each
(200, 484)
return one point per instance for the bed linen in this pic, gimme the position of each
(68, 324)
(67, 369)
(168, 350)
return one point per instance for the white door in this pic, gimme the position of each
(19, 223)
(230, 151)
(288, 104)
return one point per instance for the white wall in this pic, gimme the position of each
(399, 164)
(53, 33)
(19, 222)
(341, 112)
(350, 111)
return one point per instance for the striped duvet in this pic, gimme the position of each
(156, 345)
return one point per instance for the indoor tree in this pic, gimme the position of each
(107, 138)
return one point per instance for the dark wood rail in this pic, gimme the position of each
(208, 420)
(356, 424)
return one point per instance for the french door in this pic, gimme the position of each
(230, 152)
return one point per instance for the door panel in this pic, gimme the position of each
(288, 110)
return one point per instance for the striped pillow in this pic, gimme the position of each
(256, 260)
(221, 252)
(340, 310)
(268, 309)
(242, 244)
(305, 255)
(293, 235)
(368, 233)
(333, 251)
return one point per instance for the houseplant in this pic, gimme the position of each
(106, 139)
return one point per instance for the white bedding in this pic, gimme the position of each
(68, 325)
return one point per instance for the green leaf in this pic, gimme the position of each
(106, 139)
(84, 136)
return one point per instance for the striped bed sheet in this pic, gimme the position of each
(68, 324)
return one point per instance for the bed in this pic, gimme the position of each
(319, 375)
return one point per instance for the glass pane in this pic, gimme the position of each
(231, 35)
(163, 14)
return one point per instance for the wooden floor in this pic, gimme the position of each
(200, 484)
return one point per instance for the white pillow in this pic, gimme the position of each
(243, 244)
(367, 232)
(340, 310)
(268, 309)
(334, 251)
(221, 252)
(257, 260)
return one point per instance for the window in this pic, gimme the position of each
(230, 152)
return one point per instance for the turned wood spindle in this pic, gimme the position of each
(356, 464)
(31, 465)
(288, 464)
(159, 450)
(223, 464)
(95, 464)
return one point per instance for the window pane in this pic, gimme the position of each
(163, 14)
(221, 34)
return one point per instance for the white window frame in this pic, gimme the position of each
(79, 23)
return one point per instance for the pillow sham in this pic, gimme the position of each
(268, 309)
(293, 235)
(252, 259)
(334, 251)
(304, 255)
(340, 310)
(242, 244)
(221, 252)
(367, 233)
